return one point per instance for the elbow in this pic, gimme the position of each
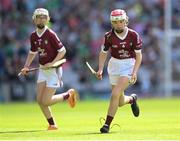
(63, 53)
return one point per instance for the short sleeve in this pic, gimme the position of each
(32, 42)
(107, 43)
(55, 41)
(137, 42)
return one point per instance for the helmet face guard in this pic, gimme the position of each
(117, 15)
(40, 11)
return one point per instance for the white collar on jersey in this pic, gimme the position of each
(39, 35)
(122, 37)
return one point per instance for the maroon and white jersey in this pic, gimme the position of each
(47, 45)
(122, 48)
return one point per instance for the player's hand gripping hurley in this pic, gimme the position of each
(93, 71)
(55, 65)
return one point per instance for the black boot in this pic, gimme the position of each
(104, 129)
(134, 106)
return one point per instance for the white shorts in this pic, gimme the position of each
(117, 68)
(52, 77)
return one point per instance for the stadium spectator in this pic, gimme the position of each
(81, 25)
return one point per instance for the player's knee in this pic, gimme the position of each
(120, 104)
(45, 102)
(121, 100)
(39, 101)
(114, 96)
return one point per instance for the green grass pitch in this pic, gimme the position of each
(159, 120)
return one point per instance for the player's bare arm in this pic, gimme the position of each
(102, 59)
(59, 56)
(136, 67)
(30, 58)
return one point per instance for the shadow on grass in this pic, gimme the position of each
(95, 133)
(21, 131)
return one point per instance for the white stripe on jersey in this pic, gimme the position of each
(138, 37)
(55, 34)
(57, 37)
(61, 49)
(102, 49)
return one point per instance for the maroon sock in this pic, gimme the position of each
(108, 120)
(51, 121)
(66, 96)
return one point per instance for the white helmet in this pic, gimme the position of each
(118, 14)
(40, 11)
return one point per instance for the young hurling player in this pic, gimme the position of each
(124, 45)
(49, 48)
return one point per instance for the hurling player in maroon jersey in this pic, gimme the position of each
(48, 47)
(124, 45)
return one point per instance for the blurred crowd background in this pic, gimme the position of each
(81, 25)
